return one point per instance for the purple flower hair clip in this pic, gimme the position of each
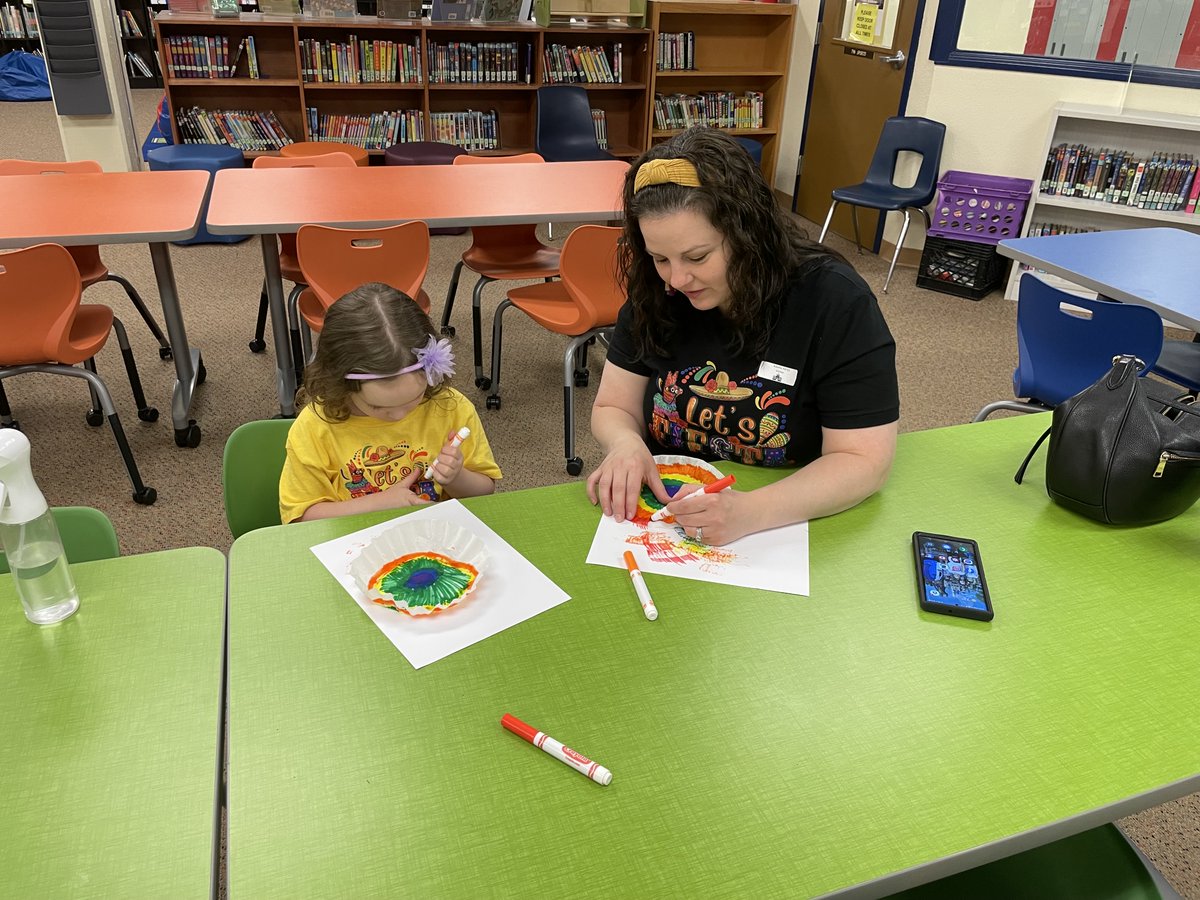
(436, 358)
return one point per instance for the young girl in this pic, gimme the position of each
(378, 420)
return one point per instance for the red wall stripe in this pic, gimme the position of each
(1039, 27)
(1114, 29)
(1189, 49)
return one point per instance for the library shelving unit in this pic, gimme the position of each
(1141, 134)
(739, 47)
(17, 28)
(286, 89)
(137, 41)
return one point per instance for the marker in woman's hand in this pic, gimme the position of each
(462, 434)
(719, 485)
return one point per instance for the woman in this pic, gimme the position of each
(740, 340)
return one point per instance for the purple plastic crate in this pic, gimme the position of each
(985, 209)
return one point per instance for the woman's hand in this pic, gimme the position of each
(618, 481)
(719, 518)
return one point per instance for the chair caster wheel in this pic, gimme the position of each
(14, 425)
(188, 437)
(574, 465)
(149, 414)
(581, 377)
(483, 383)
(164, 353)
(145, 496)
(94, 417)
(201, 373)
(257, 346)
(448, 331)
(493, 402)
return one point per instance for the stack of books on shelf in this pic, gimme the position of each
(470, 129)
(676, 51)
(246, 129)
(129, 24)
(372, 131)
(581, 64)
(720, 109)
(1162, 181)
(361, 61)
(489, 62)
(17, 22)
(600, 123)
(207, 56)
(137, 66)
(1042, 229)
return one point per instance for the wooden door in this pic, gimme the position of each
(854, 89)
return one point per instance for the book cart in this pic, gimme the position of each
(1090, 180)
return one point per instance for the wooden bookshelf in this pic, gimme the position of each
(14, 12)
(1137, 132)
(282, 86)
(739, 47)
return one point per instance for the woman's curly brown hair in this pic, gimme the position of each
(764, 246)
(372, 329)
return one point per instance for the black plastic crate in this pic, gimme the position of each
(962, 268)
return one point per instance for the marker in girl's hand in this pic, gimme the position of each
(543, 741)
(719, 485)
(639, 585)
(462, 434)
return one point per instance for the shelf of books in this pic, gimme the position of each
(18, 27)
(1105, 169)
(721, 64)
(138, 48)
(374, 82)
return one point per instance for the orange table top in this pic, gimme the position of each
(100, 207)
(264, 201)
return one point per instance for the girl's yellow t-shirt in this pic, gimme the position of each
(364, 455)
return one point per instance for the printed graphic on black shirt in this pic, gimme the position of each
(700, 409)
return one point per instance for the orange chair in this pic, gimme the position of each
(583, 306)
(336, 260)
(44, 328)
(498, 253)
(289, 268)
(309, 149)
(87, 256)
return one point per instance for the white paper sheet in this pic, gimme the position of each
(511, 589)
(775, 560)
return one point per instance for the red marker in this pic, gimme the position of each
(576, 761)
(719, 485)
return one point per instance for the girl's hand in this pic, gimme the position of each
(448, 463)
(618, 481)
(401, 495)
(716, 519)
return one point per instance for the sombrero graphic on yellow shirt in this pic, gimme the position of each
(718, 386)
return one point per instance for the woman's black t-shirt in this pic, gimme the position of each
(831, 362)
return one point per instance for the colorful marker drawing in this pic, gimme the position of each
(674, 546)
(674, 475)
(663, 542)
(420, 583)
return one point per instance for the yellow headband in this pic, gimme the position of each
(666, 171)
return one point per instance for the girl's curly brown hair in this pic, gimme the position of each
(764, 246)
(372, 329)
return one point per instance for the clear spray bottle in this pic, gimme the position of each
(30, 538)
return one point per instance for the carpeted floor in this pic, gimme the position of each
(954, 356)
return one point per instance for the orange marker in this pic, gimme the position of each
(639, 585)
(719, 485)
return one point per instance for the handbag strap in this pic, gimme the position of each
(1029, 456)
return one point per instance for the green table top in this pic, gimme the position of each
(760, 744)
(110, 720)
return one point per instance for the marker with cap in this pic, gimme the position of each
(540, 739)
(461, 435)
(639, 585)
(719, 485)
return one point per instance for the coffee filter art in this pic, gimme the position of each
(420, 567)
(675, 472)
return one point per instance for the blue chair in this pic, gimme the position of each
(1059, 353)
(880, 191)
(565, 131)
(209, 158)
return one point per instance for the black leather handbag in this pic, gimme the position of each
(1123, 451)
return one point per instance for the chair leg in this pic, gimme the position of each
(141, 493)
(493, 400)
(293, 317)
(481, 380)
(581, 374)
(6, 419)
(1014, 405)
(854, 219)
(164, 346)
(447, 328)
(574, 463)
(828, 221)
(95, 415)
(899, 244)
(145, 413)
(259, 343)
(306, 347)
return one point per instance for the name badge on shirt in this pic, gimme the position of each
(774, 372)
